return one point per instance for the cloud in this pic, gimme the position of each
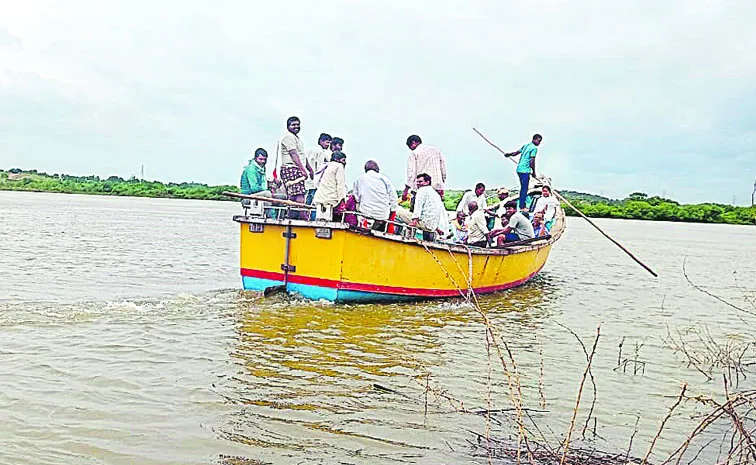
(641, 96)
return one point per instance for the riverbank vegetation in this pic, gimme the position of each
(636, 206)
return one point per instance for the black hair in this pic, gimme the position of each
(537, 136)
(511, 204)
(291, 120)
(479, 185)
(426, 177)
(260, 152)
(338, 156)
(337, 140)
(323, 137)
(548, 188)
(414, 138)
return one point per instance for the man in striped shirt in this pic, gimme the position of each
(424, 159)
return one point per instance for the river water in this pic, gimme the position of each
(125, 340)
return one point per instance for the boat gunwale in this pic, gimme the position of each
(333, 225)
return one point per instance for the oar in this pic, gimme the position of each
(561, 197)
(268, 199)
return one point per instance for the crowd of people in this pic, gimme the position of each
(318, 178)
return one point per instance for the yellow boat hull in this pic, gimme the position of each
(333, 262)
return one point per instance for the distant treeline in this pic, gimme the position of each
(637, 206)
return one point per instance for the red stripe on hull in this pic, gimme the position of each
(380, 289)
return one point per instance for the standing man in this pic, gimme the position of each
(317, 159)
(424, 159)
(331, 194)
(337, 144)
(293, 171)
(375, 195)
(525, 166)
(478, 196)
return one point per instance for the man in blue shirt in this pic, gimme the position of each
(525, 166)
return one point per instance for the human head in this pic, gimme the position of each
(292, 124)
(337, 144)
(502, 193)
(339, 157)
(261, 156)
(324, 140)
(511, 208)
(546, 191)
(413, 141)
(538, 218)
(537, 138)
(372, 165)
(472, 206)
(423, 179)
(461, 215)
(480, 188)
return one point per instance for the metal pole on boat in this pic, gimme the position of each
(561, 197)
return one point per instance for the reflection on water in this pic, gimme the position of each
(118, 347)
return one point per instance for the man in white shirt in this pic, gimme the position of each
(331, 193)
(478, 196)
(518, 227)
(317, 159)
(428, 213)
(424, 159)
(478, 234)
(547, 204)
(375, 195)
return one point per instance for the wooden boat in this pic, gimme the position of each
(336, 262)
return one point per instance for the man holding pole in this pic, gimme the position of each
(525, 166)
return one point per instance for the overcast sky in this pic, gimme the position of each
(652, 96)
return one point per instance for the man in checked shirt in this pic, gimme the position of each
(424, 159)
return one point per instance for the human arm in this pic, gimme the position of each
(532, 167)
(309, 169)
(443, 168)
(411, 175)
(341, 189)
(512, 154)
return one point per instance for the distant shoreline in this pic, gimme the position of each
(637, 206)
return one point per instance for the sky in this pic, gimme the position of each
(658, 97)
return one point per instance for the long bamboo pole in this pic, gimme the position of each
(561, 197)
(268, 199)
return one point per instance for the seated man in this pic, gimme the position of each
(429, 212)
(547, 204)
(497, 209)
(478, 234)
(518, 227)
(331, 194)
(375, 195)
(253, 179)
(459, 228)
(539, 226)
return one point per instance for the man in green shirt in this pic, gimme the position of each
(525, 166)
(253, 179)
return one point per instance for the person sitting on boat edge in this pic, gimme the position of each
(547, 204)
(253, 177)
(518, 227)
(539, 226)
(293, 173)
(426, 159)
(330, 197)
(526, 166)
(428, 212)
(478, 195)
(374, 195)
(478, 234)
(459, 228)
